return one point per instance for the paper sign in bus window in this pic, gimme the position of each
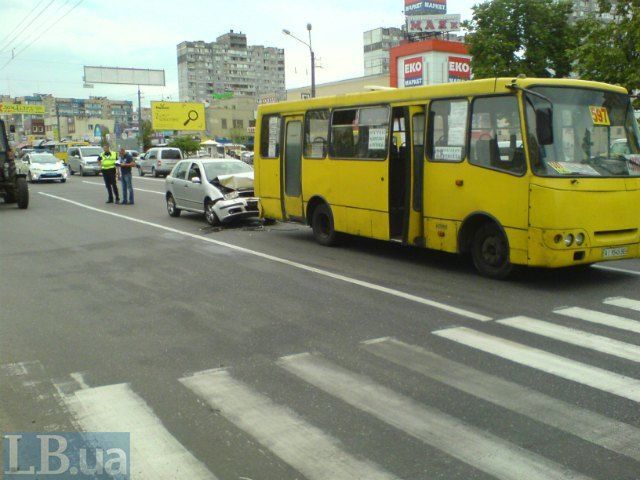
(377, 138)
(448, 154)
(600, 115)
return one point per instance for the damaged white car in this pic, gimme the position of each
(222, 189)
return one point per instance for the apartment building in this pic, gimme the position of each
(228, 65)
(377, 43)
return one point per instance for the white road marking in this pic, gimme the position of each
(477, 448)
(614, 269)
(604, 380)
(79, 379)
(155, 453)
(306, 448)
(152, 179)
(590, 426)
(290, 263)
(135, 188)
(598, 343)
(624, 303)
(601, 318)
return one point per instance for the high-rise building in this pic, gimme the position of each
(377, 43)
(582, 8)
(229, 65)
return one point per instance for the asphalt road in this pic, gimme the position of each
(251, 352)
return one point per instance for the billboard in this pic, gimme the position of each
(180, 116)
(433, 23)
(459, 69)
(425, 7)
(413, 72)
(124, 76)
(16, 108)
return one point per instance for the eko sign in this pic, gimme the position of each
(459, 69)
(414, 70)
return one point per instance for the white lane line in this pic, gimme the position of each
(590, 426)
(155, 453)
(620, 270)
(604, 380)
(481, 450)
(601, 318)
(152, 179)
(306, 448)
(598, 343)
(624, 303)
(135, 188)
(301, 266)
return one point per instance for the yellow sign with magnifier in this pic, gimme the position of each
(183, 116)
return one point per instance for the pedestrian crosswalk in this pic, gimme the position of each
(306, 444)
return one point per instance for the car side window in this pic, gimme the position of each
(180, 170)
(194, 171)
(151, 156)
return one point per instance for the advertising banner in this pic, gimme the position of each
(433, 23)
(179, 116)
(459, 69)
(15, 108)
(413, 72)
(425, 7)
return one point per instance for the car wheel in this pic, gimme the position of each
(30, 176)
(71, 172)
(154, 173)
(81, 171)
(64, 180)
(322, 225)
(140, 172)
(490, 252)
(210, 214)
(172, 209)
(22, 193)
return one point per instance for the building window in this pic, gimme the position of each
(238, 123)
(224, 123)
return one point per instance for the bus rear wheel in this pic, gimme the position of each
(490, 252)
(322, 225)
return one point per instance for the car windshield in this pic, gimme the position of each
(91, 151)
(595, 134)
(43, 158)
(215, 169)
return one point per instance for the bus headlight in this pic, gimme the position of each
(580, 239)
(568, 240)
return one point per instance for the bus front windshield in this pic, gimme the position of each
(595, 134)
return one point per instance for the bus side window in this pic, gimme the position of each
(316, 133)
(496, 136)
(270, 136)
(447, 133)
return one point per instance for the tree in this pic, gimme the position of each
(610, 51)
(510, 37)
(187, 144)
(146, 134)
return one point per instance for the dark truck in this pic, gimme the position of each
(13, 184)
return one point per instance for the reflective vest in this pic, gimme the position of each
(109, 160)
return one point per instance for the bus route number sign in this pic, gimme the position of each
(600, 116)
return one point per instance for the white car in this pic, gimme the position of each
(222, 189)
(84, 160)
(41, 166)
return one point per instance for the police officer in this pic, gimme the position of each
(109, 172)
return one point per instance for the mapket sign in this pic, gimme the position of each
(182, 116)
(17, 108)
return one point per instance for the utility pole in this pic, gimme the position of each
(140, 139)
(58, 119)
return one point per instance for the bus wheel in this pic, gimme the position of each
(322, 225)
(490, 252)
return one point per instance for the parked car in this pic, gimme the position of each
(44, 166)
(222, 189)
(84, 160)
(134, 154)
(159, 161)
(247, 157)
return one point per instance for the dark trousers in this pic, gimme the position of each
(109, 177)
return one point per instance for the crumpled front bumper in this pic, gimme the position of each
(241, 207)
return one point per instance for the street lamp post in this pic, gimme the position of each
(313, 57)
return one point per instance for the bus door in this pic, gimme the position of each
(406, 162)
(291, 171)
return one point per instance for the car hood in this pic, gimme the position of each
(46, 166)
(236, 181)
(91, 158)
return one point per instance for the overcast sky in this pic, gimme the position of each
(50, 53)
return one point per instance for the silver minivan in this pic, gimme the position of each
(159, 161)
(84, 160)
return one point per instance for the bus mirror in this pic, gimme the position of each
(544, 125)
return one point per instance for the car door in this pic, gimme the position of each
(194, 188)
(149, 161)
(73, 159)
(176, 184)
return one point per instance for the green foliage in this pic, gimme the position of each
(147, 133)
(238, 135)
(510, 37)
(186, 144)
(610, 51)
(103, 139)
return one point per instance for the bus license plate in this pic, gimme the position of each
(615, 252)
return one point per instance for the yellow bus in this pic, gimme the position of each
(61, 149)
(520, 171)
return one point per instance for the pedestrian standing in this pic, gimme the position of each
(107, 161)
(126, 163)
